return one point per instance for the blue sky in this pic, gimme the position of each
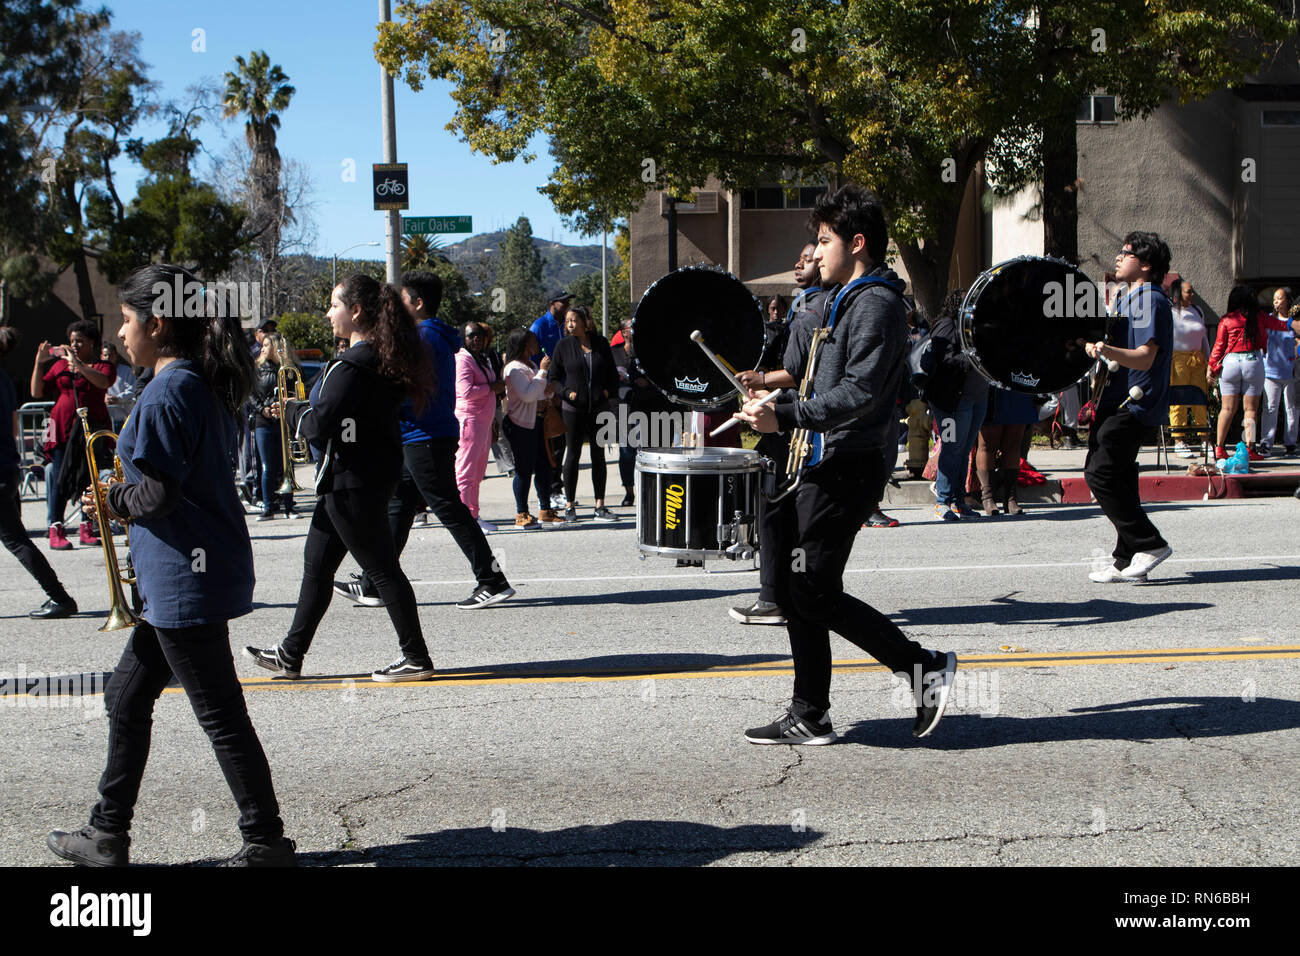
(325, 47)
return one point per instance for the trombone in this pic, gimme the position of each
(119, 614)
(292, 450)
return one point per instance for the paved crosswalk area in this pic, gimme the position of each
(597, 717)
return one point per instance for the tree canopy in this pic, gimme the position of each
(903, 96)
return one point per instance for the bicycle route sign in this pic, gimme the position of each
(390, 186)
(419, 225)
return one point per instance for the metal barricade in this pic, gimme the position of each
(32, 419)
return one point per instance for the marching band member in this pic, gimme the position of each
(856, 385)
(355, 420)
(194, 567)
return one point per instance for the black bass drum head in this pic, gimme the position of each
(722, 309)
(1024, 324)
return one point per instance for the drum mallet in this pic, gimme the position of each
(723, 365)
(733, 420)
(1134, 395)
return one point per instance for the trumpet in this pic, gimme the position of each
(805, 444)
(119, 614)
(293, 450)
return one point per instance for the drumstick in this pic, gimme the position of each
(734, 418)
(723, 365)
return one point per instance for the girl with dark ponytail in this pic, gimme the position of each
(192, 559)
(355, 421)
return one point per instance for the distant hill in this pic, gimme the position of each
(479, 266)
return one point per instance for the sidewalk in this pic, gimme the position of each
(1274, 478)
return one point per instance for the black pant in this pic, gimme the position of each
(353, 520)
(528, 449)
(14, 537)
(556, 443)
(815, 530)
(1112, 474)
(580, 427)
(200, 658)
(429, 477)
(776, 447)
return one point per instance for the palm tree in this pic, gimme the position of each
(262, 92)
(421, 252)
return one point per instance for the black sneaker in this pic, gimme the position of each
(789, 729)
(273, 659)
(403, 669)
(486, 595)
(356, 593)
(53, 610)
(629, 500)
(90, 846)
(935, 686)
(760, 612)
(257, 854)
(604, 514)
(571, 513)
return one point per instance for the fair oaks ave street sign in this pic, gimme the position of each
(418, 225)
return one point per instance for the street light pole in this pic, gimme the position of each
(604, 289)
(393, 232)
(334, 273)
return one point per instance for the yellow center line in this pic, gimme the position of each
(511, 674)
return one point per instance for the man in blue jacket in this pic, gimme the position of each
(549, 330)
(429, 448)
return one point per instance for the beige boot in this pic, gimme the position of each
(1009, 481)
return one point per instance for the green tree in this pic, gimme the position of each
(306, 330)
(518, 277)
(420, 252)
(261, 91)
(903, 96)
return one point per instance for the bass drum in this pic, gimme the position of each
(722, 309)
(1025, 322)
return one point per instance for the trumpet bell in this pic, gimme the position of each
(119, 617)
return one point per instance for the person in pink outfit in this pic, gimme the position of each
(477, 388)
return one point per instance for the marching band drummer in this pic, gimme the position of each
(193, 564)
(856, 386)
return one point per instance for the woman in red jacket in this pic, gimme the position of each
(1238, 362)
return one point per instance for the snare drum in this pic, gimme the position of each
(698, 502)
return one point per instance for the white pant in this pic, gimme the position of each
(1273, 390)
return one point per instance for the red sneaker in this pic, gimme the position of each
(881, 520)
(58, 542)
(87, 535)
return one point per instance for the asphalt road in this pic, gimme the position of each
(596, 718)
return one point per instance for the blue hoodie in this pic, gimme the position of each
(442, 342)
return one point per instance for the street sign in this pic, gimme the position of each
(417, 225)
(390, 186)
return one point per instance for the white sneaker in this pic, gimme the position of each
(1182, 450)
(1144, 561)
(1108, 575)
(487, 526)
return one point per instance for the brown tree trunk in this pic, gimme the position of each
(1061, 191)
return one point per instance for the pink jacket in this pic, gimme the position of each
(474, 396)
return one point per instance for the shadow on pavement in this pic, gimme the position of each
(1139, 721)
(1005, 610)
(625, 843)
(648, 596)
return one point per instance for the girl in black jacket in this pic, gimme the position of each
(355, 422)
(584, 364)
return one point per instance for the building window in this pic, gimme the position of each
(1098, 108)
(780, 197)
(1280, 118)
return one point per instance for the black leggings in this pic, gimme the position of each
(200, 659)
(353, 520)
(581, 426)
(14, 537)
